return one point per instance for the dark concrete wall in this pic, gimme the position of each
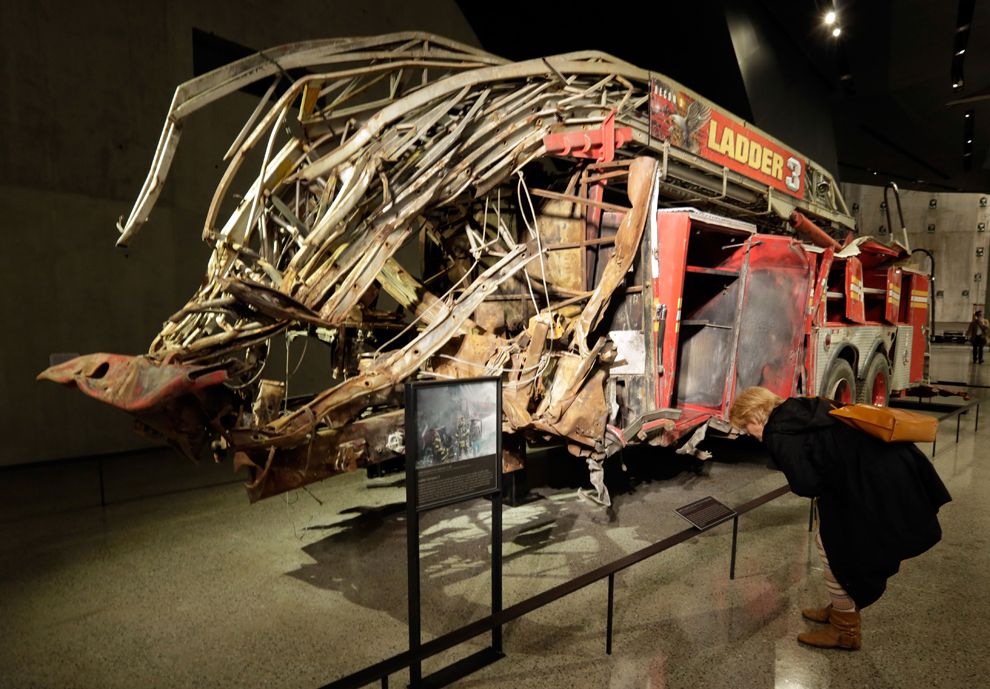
(787, 96)
(688, 42)
(736, 53)
(84, 89)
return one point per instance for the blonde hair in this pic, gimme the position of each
(753, 405)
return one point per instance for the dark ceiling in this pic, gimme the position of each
(870, 105)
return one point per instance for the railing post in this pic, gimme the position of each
(608, 628)
(958, 420)
(977, 426)
(735, 536)
(811, 517)
(497, 564)
(412, 546)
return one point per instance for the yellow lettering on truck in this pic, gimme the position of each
(742, 149)
(713, 137)
(728, 143)
(755, 155)
(778, 167)
(767, 161)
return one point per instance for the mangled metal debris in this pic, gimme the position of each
(499, 172)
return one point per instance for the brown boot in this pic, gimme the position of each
(819, 615)
(843, 631)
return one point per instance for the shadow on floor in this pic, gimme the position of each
(366, 554)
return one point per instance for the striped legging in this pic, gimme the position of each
(840, 599)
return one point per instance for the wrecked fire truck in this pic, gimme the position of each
(618, 249)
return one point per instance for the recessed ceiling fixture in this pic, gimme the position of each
(836, 31)
(830, 18)
(969, 127)
(960, 41)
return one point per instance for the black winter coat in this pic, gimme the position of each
(877, 501)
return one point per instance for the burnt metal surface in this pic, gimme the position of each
(182, 406)
(526, 188)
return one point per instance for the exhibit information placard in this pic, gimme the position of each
(453, 440)
(705, 513)
(453, 453)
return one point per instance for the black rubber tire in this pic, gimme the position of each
(840, 372)
(878, 367)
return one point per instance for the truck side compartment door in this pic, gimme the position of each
(894, 276)
(855, 308)
(779, 283)
(918, 319)
(669, 260)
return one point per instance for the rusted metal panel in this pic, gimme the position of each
(559, 223)
(627, 312)
(326, 453)
(267, 405)
(182, 406)
(132, 383)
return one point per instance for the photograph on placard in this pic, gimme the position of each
(456, 422)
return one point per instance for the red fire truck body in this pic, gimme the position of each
(643, 332)
(732, 308)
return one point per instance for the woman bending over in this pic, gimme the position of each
(877, 501)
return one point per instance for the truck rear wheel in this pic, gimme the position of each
(874, 388)
(840, 383)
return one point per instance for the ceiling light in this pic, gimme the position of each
(969, 141)
(830, 18)
(967, 114)
(836, 31)
(961, 51)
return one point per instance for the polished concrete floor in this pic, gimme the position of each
(178, 582)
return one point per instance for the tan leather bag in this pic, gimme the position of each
(889, 425)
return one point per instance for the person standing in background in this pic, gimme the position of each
(977, 333)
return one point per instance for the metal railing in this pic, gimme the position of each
(958, 413)
(381, 671)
